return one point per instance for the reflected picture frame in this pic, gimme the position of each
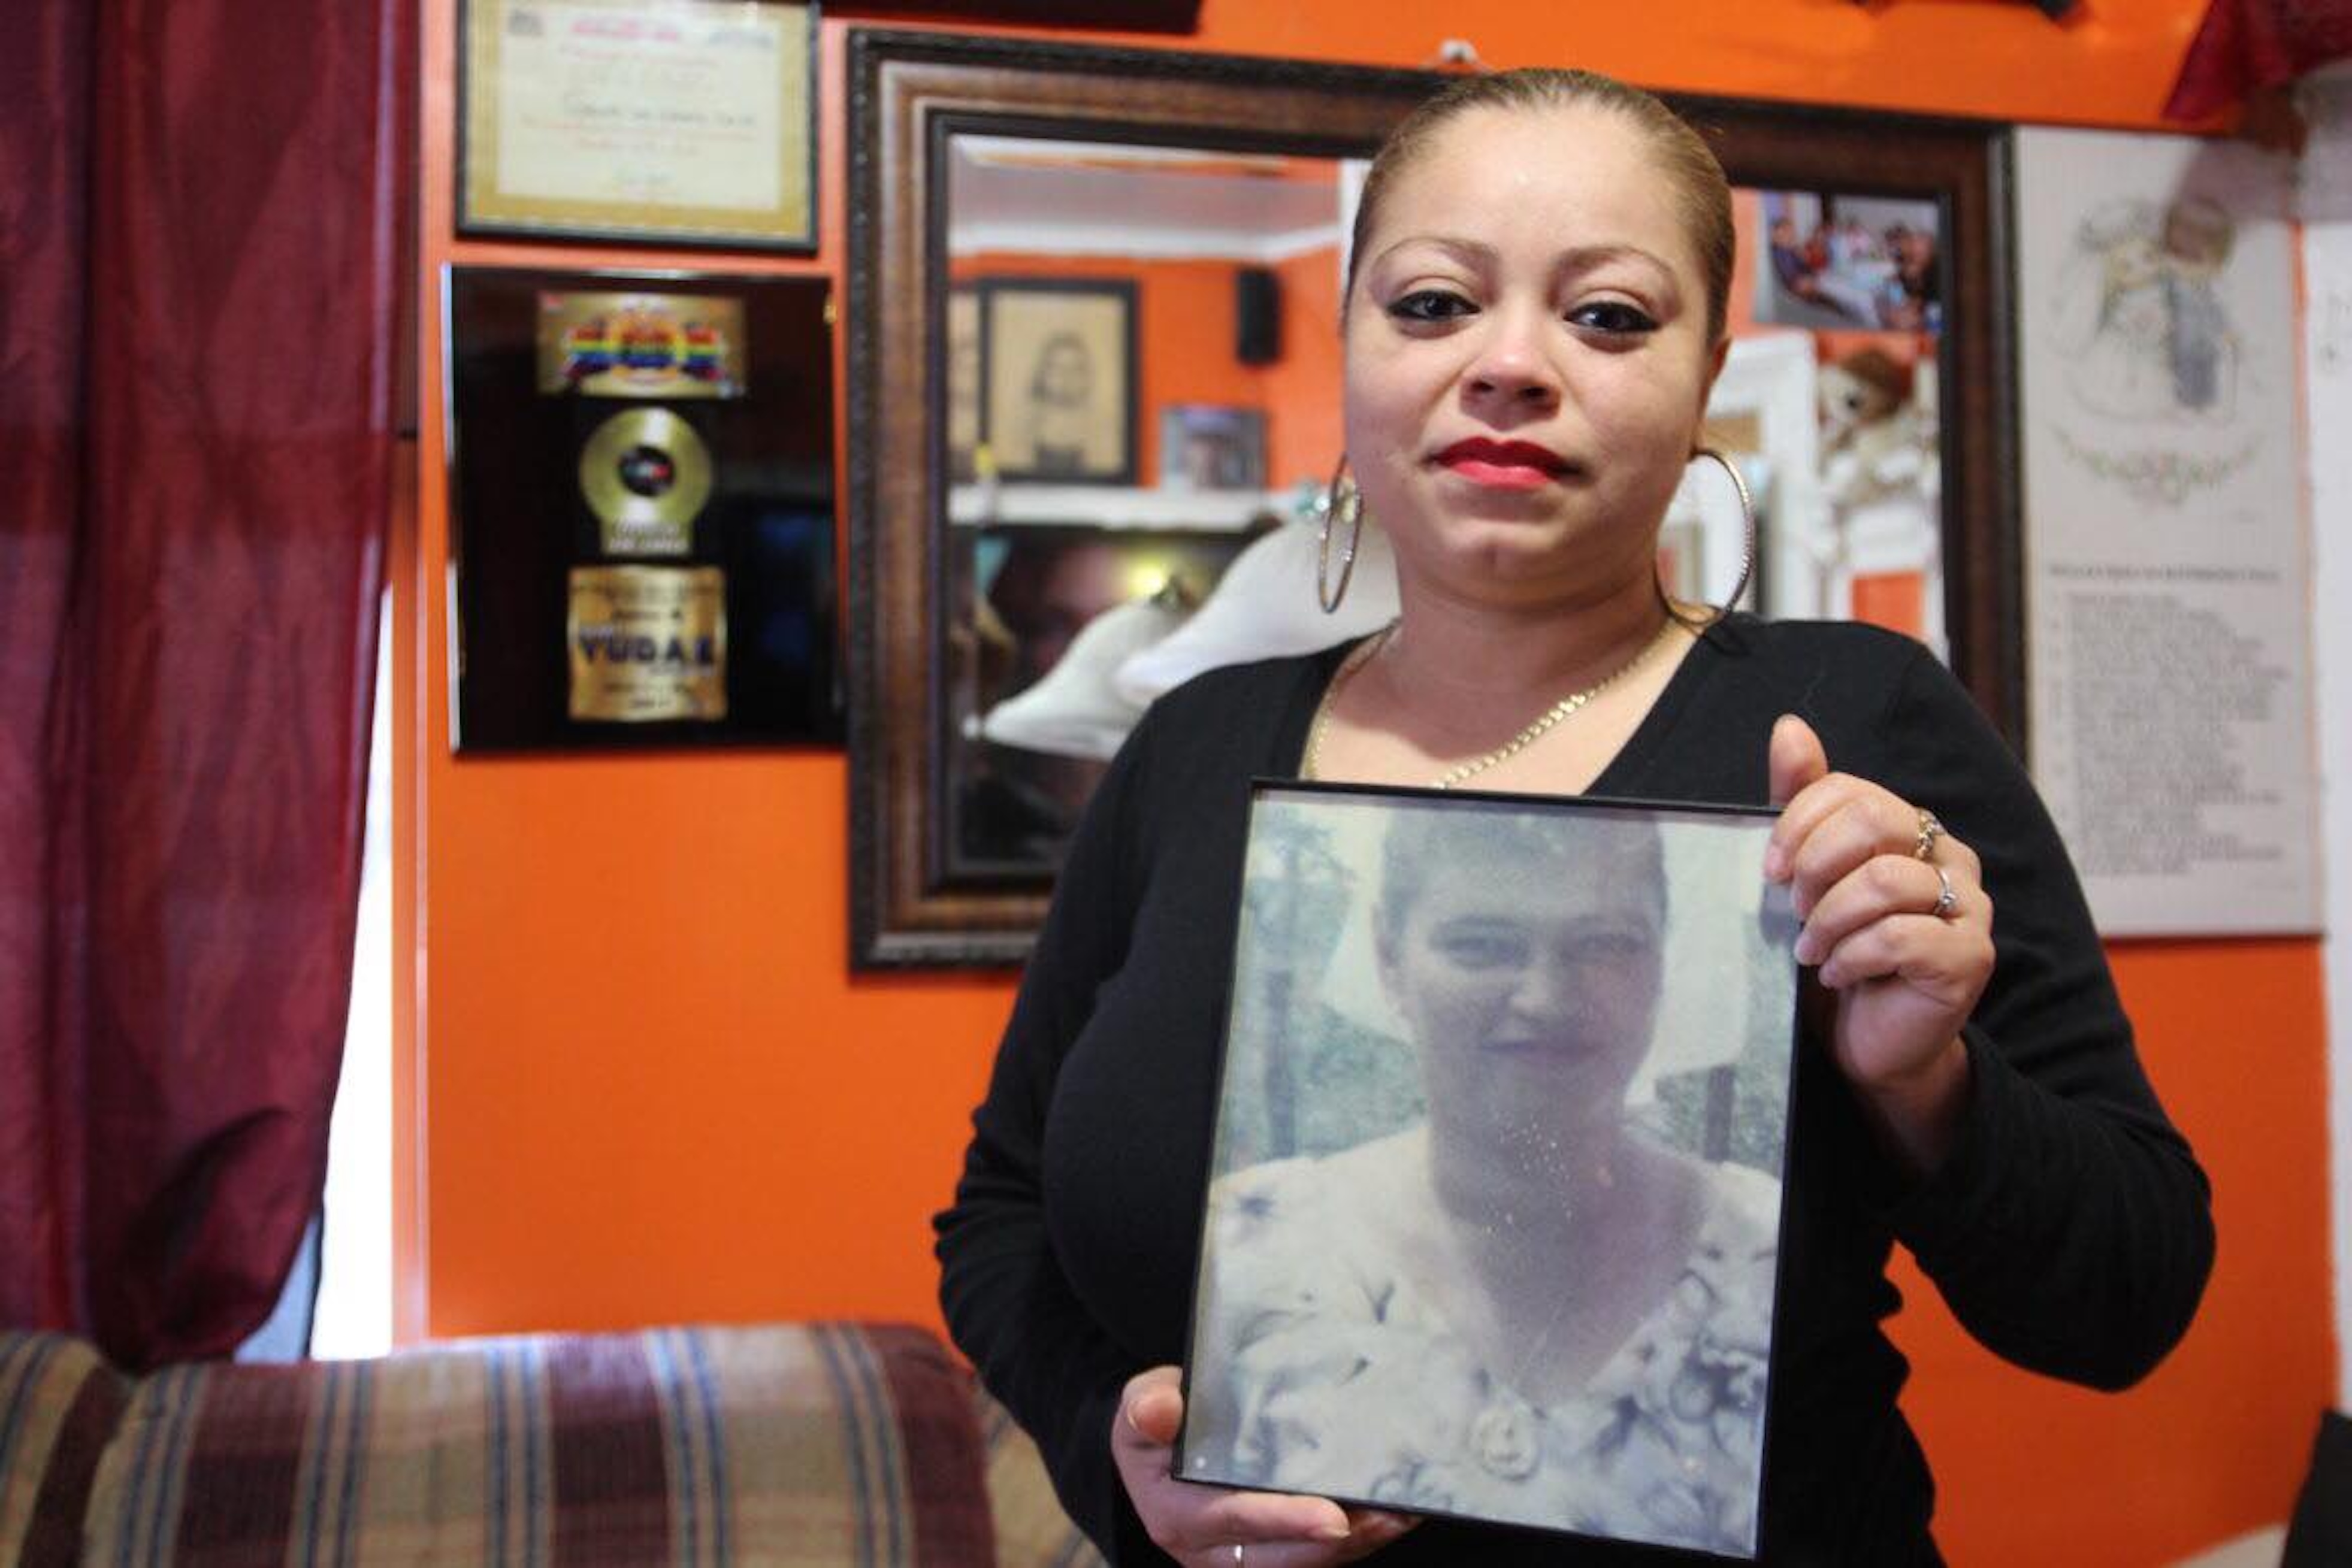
(1057, 373)
(1211, 446)
(667, 123)
(912, 93)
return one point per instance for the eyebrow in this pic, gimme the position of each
(1575, 259)
(1601, 923)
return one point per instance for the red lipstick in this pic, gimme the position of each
(1507, 464)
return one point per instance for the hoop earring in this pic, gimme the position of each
(1747, 531)
(1340, 498)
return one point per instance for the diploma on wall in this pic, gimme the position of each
(669, 121)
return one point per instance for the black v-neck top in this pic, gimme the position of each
(2069, 1229)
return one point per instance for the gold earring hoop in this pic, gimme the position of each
(1748, 528)
(1340, 498)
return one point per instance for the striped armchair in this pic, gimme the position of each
(803, 1444)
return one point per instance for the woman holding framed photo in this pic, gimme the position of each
(1535, 317)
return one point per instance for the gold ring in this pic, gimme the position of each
(1946, 902)
(1930, 830)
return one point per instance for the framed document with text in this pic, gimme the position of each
(664, 122)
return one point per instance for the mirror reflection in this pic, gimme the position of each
(1142, 368)
(1140, 365)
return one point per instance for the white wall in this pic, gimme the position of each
(2327, 290)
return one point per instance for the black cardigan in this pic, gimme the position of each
(2069, 1229)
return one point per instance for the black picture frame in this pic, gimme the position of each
(749, 564)
(1468, 1032)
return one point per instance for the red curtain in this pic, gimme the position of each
(200, 274)
(2245, 46)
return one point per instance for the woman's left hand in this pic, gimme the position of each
(1903, 977)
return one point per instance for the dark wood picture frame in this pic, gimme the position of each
(910, 92)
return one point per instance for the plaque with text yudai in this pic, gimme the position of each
(648, 643)
(642, 505)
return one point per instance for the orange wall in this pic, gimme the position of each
(1302, 434)
(643, 1086)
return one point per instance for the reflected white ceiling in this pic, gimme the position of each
(1101, 199)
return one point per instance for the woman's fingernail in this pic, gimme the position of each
(1776, 863)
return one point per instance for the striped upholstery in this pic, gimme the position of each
(58, 1403)
(1031, 1530)
(807, 1445)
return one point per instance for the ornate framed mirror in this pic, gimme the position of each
(1093, 363)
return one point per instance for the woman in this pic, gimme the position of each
(1525, 1307)
(1534, 318)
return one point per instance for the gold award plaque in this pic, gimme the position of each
(646, 474)
(665, 346)
(648, 643)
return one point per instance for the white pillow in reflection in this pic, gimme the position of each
(1264, 607)
(1075, 710)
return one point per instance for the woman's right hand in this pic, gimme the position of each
(1201, 1525)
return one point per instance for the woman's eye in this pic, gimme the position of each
(1612, 316)
(1428, 305)
(1484, 950)
(1609, 951)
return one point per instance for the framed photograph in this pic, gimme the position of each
(1057, 376)
(673, 122)
(1208, 447)
(1840, 261)
(1493, 1224)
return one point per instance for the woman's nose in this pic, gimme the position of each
(1547, 989)
(1513, 361)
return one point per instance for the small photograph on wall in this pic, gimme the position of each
(1493, 1224)
(1208, 447)
(1832, 262)
(1058, 374)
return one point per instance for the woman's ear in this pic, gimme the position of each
(1715, 361)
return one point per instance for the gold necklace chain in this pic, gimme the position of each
(1544, 725)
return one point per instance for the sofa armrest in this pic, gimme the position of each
(1032, 1530)
(807, 1444)
(59, 1403)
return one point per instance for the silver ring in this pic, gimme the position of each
(1930, 830)
(1241, 1553)
(1946, 902)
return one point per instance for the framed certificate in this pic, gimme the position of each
(674, 123)
(1493, 1224)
